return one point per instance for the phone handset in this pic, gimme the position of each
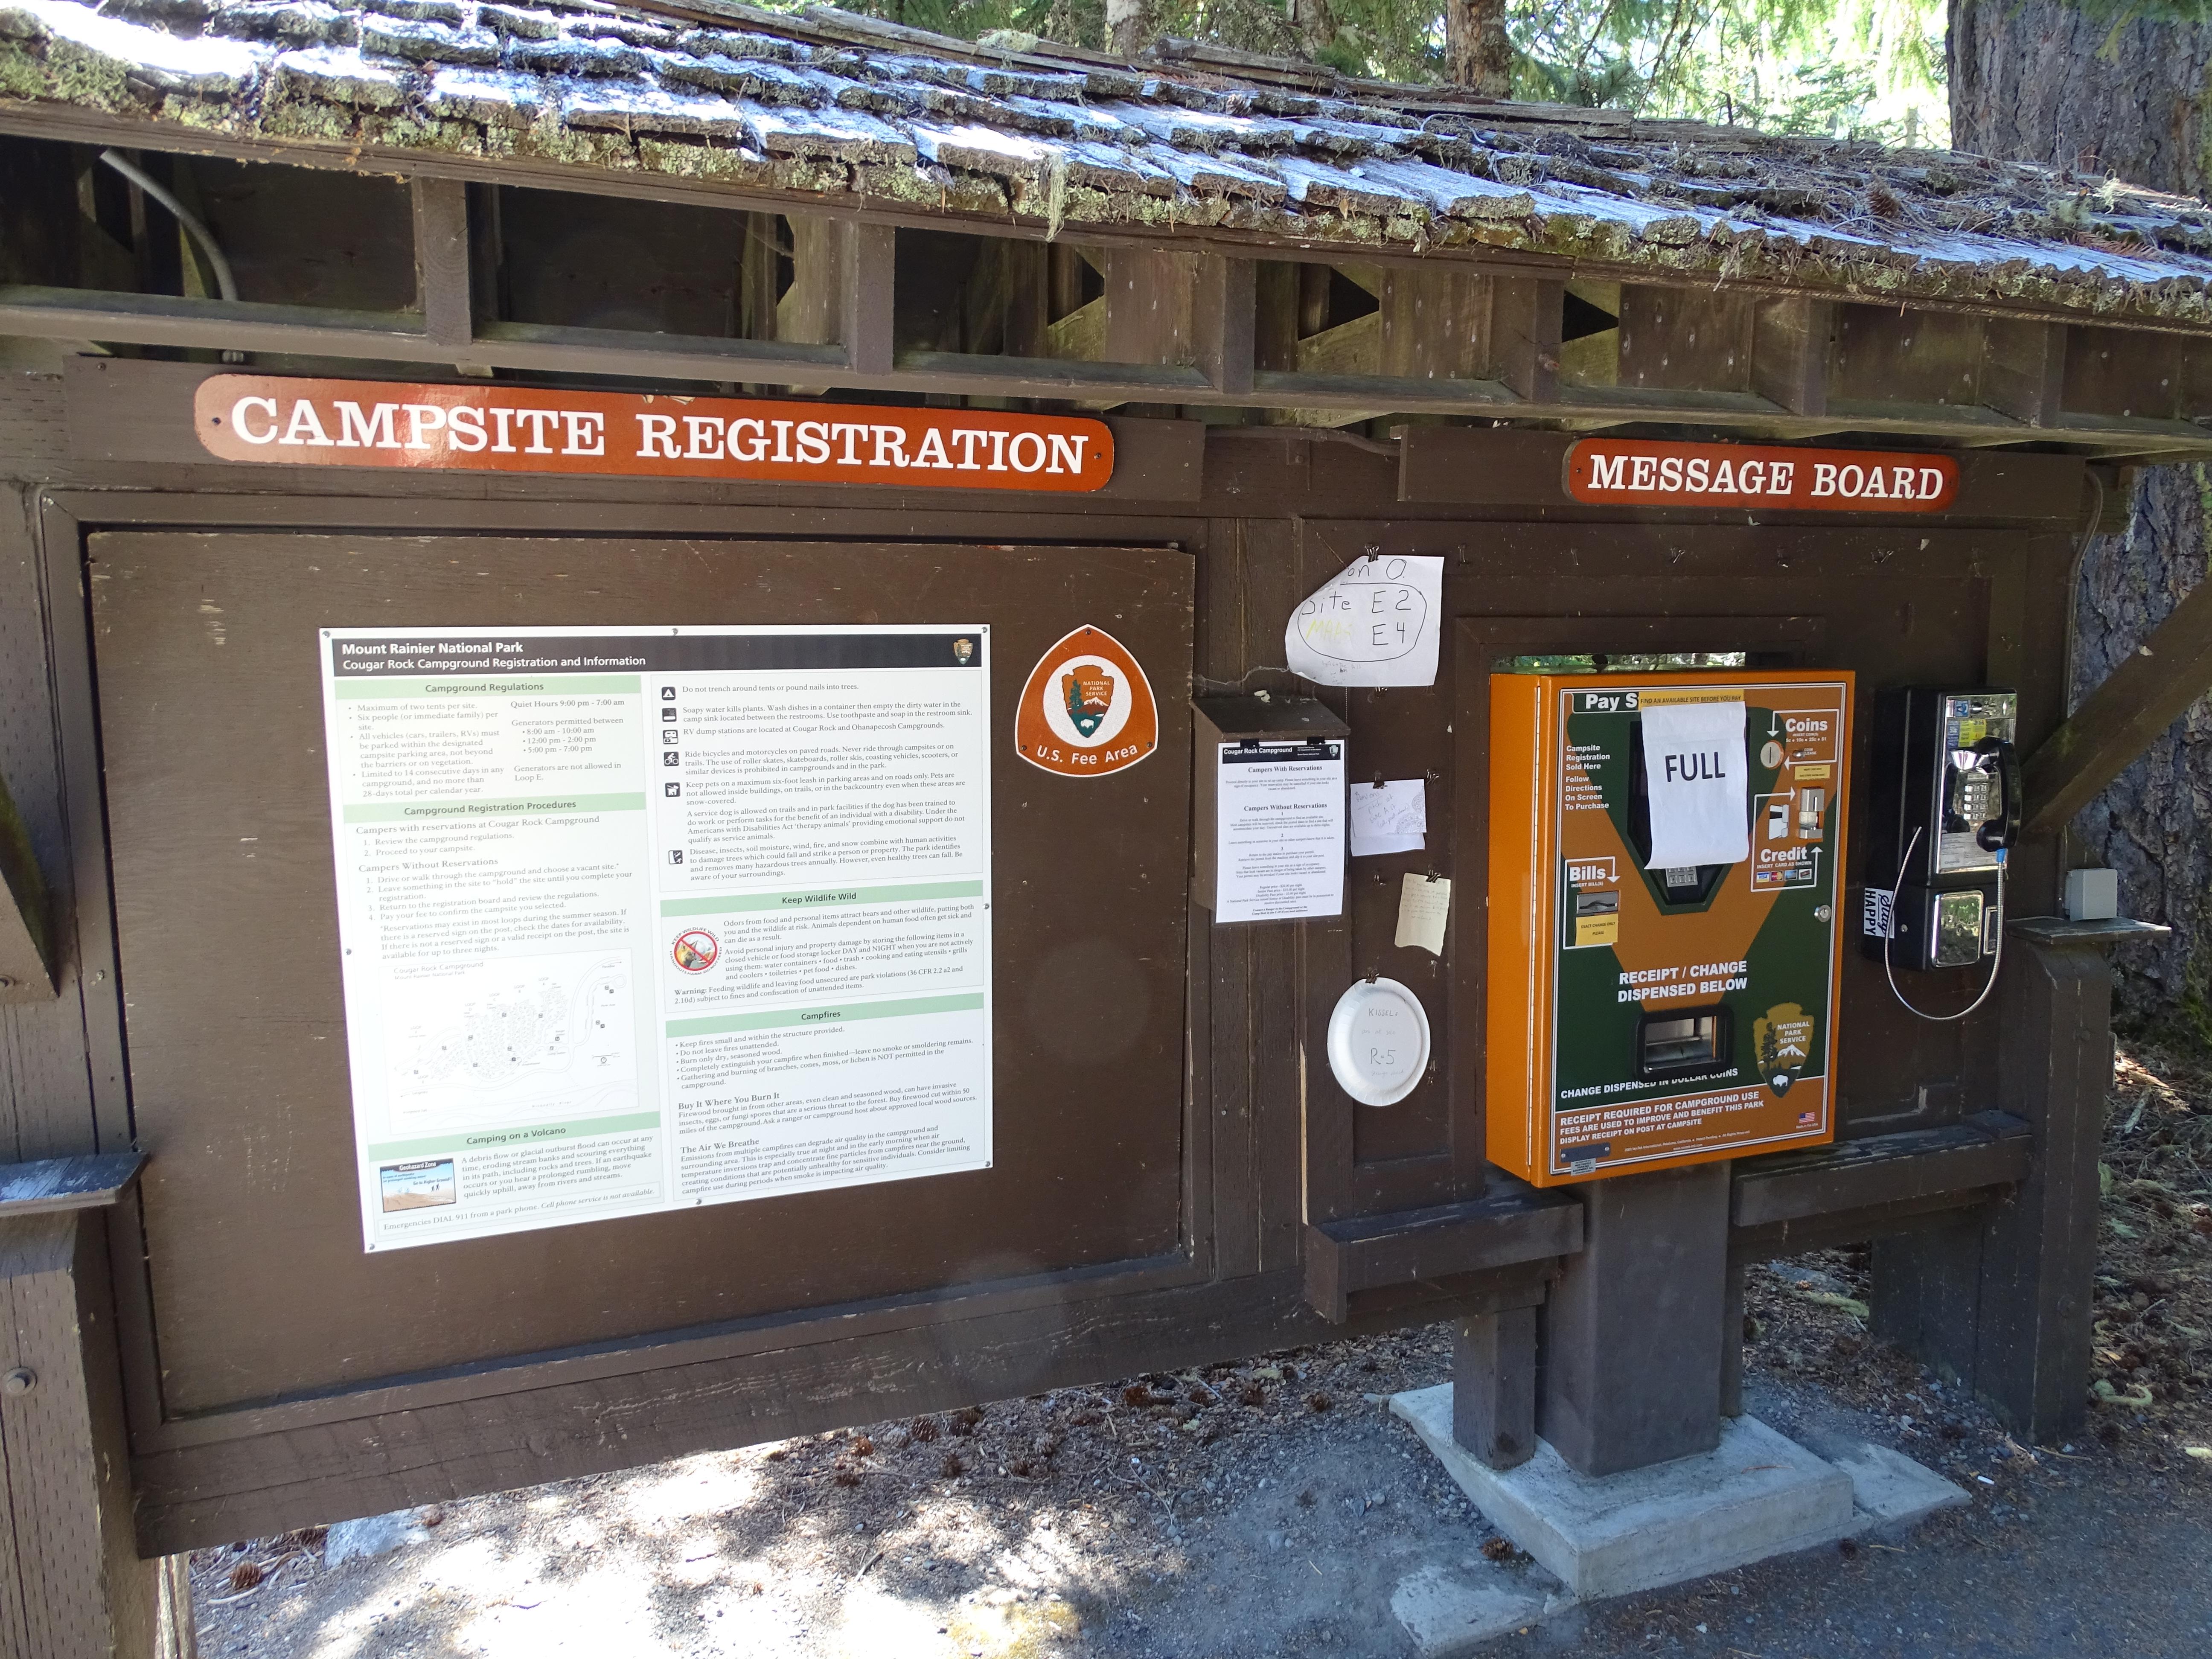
(1998, 834)
(1982, 794)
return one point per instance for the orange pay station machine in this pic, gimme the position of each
(1667, 925)
(1666, 851)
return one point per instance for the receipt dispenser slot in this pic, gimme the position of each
(1667, 1044)
(1662, 947)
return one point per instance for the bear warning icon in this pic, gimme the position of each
(1087, 709)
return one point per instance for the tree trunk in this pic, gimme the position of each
(1316, 22)
(1128, 27)
(2033, 81)
(1476, 47)
(2030, 82)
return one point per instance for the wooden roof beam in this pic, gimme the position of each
(2118, 721)
(399, 337)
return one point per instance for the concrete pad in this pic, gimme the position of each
(1894, 1492)
(1758, 1494)
(1448, 1613)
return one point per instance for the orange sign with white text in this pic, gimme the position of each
(492, 428)
(1087, 709)
(1643, 472)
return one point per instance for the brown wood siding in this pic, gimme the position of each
(1227, 1107)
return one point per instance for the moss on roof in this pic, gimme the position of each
(864, 113)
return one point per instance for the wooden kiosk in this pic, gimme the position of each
(601, 315)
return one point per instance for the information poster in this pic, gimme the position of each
(1279, 843)
(642, 919)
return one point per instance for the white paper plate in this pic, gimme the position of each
(1378, 1041)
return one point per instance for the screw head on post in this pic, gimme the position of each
(21, 1380)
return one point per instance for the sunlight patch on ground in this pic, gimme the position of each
(712, 1485)
(607, 1609)
(875, 1623)
(1014, 1629)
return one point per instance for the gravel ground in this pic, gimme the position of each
(1271, 1507)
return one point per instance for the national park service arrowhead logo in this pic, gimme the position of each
(1783, 1038)
(1087, 709)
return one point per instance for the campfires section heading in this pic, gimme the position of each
(1632, 472)
(504, 429)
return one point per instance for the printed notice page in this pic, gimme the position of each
(1280, 831)
(1694, 760)
(637, 920)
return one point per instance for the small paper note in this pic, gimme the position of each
(1374, 625)
(1423, 905)
(1695, 764)
(1389, 818)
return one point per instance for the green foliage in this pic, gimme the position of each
(1868, 69)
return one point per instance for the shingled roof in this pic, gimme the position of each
(828, 105)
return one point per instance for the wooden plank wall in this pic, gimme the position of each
(1273, 513)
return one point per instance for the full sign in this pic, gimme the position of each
(507, 428)
(1639, 472)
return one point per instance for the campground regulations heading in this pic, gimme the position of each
(494, 428)
(1643, 472)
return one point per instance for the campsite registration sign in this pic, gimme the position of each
(499, 427)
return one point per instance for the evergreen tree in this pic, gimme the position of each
(2111, 90)
(1847, 68)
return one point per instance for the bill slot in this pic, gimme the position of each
(1597, 918)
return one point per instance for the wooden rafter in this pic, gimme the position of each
(1203, 326)
(2120, 718)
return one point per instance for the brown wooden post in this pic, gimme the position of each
(1789, 341)
(2024, 369)
(865, 297)
(2002, 1302)
(72, 1585)
(1494, 1387)
(442, 287)
(1630, 1361)
(1150, 299)
(813, 310)
(1224, 318)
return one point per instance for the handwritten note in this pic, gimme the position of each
(1389, 818)
(1375, 624)
(1424, 906)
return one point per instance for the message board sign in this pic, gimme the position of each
(1651, 472)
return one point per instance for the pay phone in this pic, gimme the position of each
(1946, 807)
(1662, 933)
